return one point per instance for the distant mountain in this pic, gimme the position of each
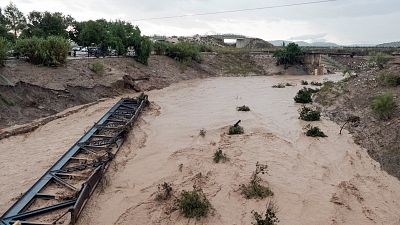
(305, 44)
(391, 44)
(324, 44)
(279, 42)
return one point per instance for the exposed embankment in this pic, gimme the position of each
(25, 102)
(29, 92)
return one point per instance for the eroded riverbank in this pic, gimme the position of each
(315, 181)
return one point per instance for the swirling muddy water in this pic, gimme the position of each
(315, 180)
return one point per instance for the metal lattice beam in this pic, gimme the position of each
(76, 174)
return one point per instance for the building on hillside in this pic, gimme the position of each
(242, 42)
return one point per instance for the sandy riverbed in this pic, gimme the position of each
(315, 181)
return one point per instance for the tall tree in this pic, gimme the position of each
(2, 18)
(118, 35)
(93, 32)
(14, 19)
(44, 24)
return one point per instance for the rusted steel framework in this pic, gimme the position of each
(59, 196)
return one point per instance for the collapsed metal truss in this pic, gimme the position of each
(59, 196)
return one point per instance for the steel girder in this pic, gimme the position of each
(59, 196)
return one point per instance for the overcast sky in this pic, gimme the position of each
(343, 21)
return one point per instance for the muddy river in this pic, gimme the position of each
(315, 181)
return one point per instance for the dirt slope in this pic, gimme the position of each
(353, 97)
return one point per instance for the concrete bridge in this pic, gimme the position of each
(320, 63)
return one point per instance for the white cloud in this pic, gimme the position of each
(343, 21)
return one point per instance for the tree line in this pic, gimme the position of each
(17, 28)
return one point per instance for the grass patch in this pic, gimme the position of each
(389, 79)
(97, 67)
(219, 156)
(255, 189)
(243, 108)
(164, 192)
(379, 59)
(308, 114)
(269, 216)
(193, 204)
(303, 96)
(312, 131)
(383, 106)
(233, 130)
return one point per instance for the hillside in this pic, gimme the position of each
(305, 44)
(390, 45)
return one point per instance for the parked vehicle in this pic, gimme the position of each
(131, 53)
(112, 52)
(77, 48)
(96, 52)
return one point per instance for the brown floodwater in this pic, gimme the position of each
(315, 180)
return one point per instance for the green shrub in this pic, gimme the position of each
(160, 47)
(235, 130)
(314, 131)
(193, 204)
(243, 108)
(379, 59)
(205, 48)
(384, 105)
(389, 79)
(304, 96)
(304, 82)
(255, 189)
(308, 114)
(164, 192)
(270, 216)
(184, 52)
(143, 50)
(290, 55)
(219, 156)
(3, 50)
(51, 51)
(202, 132)
(97, 67)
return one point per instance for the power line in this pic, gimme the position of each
(237, 10)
